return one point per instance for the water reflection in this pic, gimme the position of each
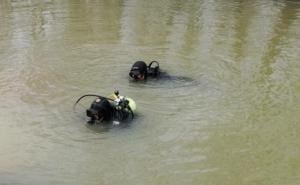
(284, 22)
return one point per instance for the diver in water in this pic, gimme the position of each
(113, 107)
(140, 71)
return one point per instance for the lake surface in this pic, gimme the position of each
(229, 113)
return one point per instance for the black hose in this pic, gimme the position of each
(94, 95)
(149, 66)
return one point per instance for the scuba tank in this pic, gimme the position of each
(153, 69)
(124, 108)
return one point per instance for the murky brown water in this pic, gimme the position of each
(229, 114)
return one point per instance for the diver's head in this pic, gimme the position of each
(94, 114)
(116, 92)
(138, 71)
(97, 109)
